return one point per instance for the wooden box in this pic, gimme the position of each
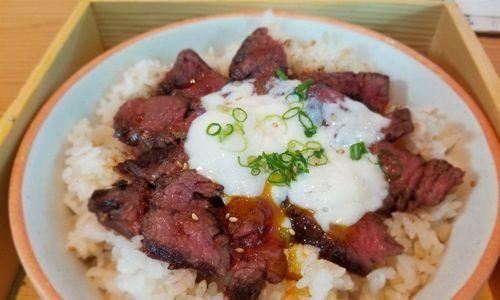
(434, 28)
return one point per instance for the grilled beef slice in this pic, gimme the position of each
(400, 125)
(370, 88)
(258, 57)
(192, 76)
(403, 170)
(324, 93)
(261, 255)
(438, 178)
(155, 163)
(180, 227)
(363, 245)
(412, 182)
(155, 122)
(121, 207)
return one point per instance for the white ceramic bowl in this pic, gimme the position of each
(40, 221)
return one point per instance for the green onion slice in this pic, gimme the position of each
(317, 159)
(357, 150)
(309, 127)
(292, 112)
(255, 171)
(391, 172)
(276, 177)
(313, 145)
(294, 145)
(281, 75)
(228, 129)
(286, 157)
(214, 129)
(301, 89)
(242, 164)
(305, 120)
(239, 114)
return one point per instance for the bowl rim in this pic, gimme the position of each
(16, 214)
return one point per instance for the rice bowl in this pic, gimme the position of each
(121, 269)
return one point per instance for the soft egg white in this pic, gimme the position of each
(339, 192)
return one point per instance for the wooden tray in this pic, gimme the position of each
(434, 28)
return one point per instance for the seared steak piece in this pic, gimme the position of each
(247, 279)
(155, 163)
(412, 182)
(370, 88)
(258, 254)
(368, 238)
(258, 57)
(400, 125)
(324, 93)
(155, 122)
(180, 227)
(359, 249)
(438, 178)
(121, 207)
(177, 191)
(251, 268)
(191, 75)
(185, 242)
(403, 171)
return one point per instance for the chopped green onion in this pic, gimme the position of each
(301, 89)
(276, 177)
(318, 158)
(239, 114)
(238, 127)
(309, 132)
(241, 164)
(228, 129)
(294, 145)
(357, 150)
(281, 75)
(283, 168)
(270, 117)
(213, 129)
(391, 172)
(255, 171)
(313, 145)
(292, 112)
(309, 127)
(305, 120)
(286, 157)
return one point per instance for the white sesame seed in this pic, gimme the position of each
(228, 215)
(185, 166)
(179, 164)
(194, 217)
(233, 219)
(292, 232)
(239, 250)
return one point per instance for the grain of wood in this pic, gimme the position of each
(26, 29)
(491, 45)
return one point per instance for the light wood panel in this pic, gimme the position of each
(491, 45)
(26, 29)
(28, 26)
(120, 20)
(455, 42)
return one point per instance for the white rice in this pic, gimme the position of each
(121, 270)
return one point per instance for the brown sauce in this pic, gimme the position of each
(243, 207)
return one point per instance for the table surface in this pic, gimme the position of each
(28, 26)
